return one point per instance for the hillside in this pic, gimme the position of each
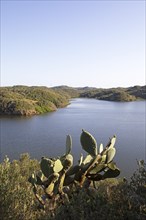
(117, 94)
(24, 100)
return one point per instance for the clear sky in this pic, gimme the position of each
(74, 43)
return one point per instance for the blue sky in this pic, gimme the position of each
(74, 43)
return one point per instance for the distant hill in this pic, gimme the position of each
(117, 94)
(70, 91)
(24, 100)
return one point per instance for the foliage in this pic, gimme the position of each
(138, 180)
(24, 100)
(109, 201)
(110, 198)
(117, 94)
(16, 197)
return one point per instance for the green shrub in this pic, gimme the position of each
(112, 199)
(138, 179)
(16, 197)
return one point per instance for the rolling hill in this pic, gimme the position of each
(24, 100)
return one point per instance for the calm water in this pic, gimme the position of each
(46, 134)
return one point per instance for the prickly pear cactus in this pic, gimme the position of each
(51, 183)
(49, 166)
(88, 143)
(68, 144)
(56, 174)
(110, 154)
(111, 173)
(100, 148)
(57, 167)
(87, 159)
(67, 162)
(46, 165)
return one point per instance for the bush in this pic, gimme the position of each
(114, 199)
(110, 201)
(16, 197)
(138, 180)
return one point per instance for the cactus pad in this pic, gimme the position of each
(110, 154)
(68, 144)
(100, 148)
(57, 166)
(46, 166)
(111, 173)
(87, 159)
(88, 143)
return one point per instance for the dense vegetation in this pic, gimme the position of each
(22, 187)
(117, 94)
(113, 199)
(24, 100)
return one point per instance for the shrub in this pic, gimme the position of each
(110, 198)
(16, 197)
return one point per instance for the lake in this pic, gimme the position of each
(45, 135)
